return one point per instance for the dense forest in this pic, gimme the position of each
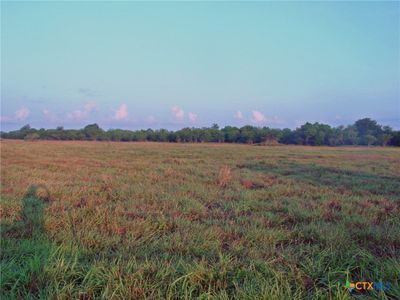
(362, 132)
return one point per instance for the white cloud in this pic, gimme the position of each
(276, 121)
(238, 115)
(178, 113)
(192, 117)
(89, 106)
(48, 115)
(258, 117)
(79, 115)
(22, 113)
(121, 113)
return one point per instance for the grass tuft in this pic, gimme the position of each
(225, 176)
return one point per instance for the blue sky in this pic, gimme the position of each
(171, 65)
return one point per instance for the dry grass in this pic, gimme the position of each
(176, 221)
(225, 176)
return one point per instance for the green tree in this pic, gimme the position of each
(93, 132)
(288, 136)
(395, 140)
(231, 134)
(370, 139)
(350, 135)
(308, 133)
(247, 134)
(367, 127)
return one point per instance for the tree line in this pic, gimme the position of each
(362, 132)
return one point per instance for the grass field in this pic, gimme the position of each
(99, 220)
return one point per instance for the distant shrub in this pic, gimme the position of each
(32, 137)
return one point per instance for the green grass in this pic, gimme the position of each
(89, 220)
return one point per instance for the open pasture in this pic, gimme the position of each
(103, 220)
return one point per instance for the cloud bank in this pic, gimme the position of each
(258, 117)
(121, 113)
(82, 114)
(21, 114)
(178, 113)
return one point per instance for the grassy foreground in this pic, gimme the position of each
(100, 220)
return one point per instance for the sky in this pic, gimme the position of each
(170, 65)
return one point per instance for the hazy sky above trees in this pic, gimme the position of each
(171, 65)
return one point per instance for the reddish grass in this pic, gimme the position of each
(334, 205)
(248, 184)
